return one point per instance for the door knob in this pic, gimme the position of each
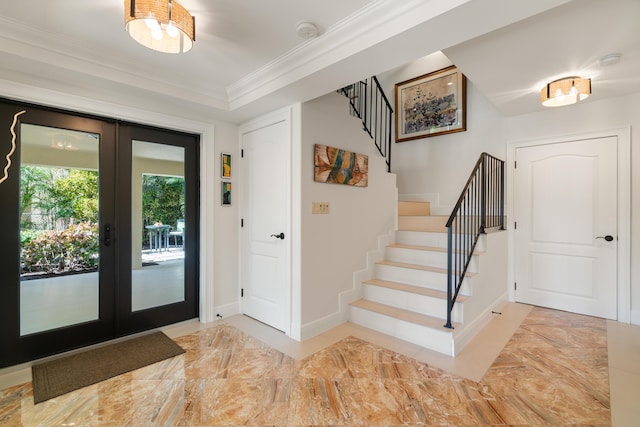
(608, 238)
(278, 236)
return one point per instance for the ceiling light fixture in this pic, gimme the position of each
(161, 25)
(565, 91)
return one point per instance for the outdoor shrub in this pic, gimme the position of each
(27, 235)
(72, 249)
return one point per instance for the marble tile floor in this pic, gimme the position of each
(555, 369)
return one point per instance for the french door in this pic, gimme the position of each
(89, 207)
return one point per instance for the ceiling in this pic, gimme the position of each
(248, 60)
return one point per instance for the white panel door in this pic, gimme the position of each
(265, 232)
(565, 207)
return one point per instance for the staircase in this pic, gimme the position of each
(407, 298)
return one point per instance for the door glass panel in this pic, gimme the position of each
(59, 241)
(158, 225)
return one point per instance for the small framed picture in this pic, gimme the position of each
(225, 165)
(226, 193)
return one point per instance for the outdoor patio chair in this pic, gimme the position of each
(178, 232)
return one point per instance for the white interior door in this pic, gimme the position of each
(565, 206)
(266, 225)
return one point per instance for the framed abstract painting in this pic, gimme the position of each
(430, 105)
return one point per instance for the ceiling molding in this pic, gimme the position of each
(53, 50)
(370, 25)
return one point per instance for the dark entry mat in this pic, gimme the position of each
(60, 376)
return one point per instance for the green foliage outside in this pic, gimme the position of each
(59, 215)
(162, 201)
(76, 196)
(56, 251)
(36, 185)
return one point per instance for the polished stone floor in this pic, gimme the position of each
(554, 370)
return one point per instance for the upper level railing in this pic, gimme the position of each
(370, 104)
(480, 207)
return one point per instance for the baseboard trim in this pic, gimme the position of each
(316, 327)
(227, 310)
(464, 337)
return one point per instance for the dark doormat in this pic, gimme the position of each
(60, 376)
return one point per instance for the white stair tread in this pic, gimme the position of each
(408, 316)
(413, 289)
(419, 267)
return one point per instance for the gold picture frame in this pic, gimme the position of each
(430, 105)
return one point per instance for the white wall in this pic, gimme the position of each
(593, 116)
(334, 246)
(442, 164)
(225, 238)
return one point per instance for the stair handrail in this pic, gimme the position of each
(369, 103)
(479, 207)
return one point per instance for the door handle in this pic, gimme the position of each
(278, 236)
(107, 234)
(608, 237)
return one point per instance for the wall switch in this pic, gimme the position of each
(319, 207)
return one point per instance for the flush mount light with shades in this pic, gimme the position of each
(161, 25)
(565, 91)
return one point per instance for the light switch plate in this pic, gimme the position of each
(319, 207)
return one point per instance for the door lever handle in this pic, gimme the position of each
(278, 236)
(608, 238)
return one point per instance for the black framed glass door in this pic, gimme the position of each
(76, 266)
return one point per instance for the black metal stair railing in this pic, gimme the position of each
(480, 207)
(369, 103)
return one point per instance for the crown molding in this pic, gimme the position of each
(70, 54)
(372, 24)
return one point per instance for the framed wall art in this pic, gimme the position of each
(225, 165)
(337, 166)
(226, 193)
(430, 105)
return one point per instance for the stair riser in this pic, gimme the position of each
(431, 306)
(425, 238)
(414, 208)
(424, 279)
(437, 340)
(421, 238)
(426, 258)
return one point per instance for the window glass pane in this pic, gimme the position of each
(158, 224)
(59, 241)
